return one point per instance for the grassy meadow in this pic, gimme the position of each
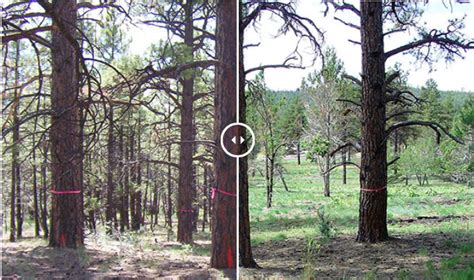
(434, 218)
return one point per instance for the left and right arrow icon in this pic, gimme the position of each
(234, 140)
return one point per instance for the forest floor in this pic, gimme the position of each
(128, 256)
(430, 227)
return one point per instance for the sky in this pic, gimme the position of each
(273, 50)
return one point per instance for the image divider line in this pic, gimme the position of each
(237, 93)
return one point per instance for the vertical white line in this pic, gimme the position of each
(237, 105)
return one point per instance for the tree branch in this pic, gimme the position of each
(433, 125)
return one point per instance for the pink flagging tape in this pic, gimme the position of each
(65, 192)
(374, 190)
(186, 210)
(216, 190)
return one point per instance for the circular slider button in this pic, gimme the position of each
(236, 139)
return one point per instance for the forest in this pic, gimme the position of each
(118, 161)
(109, 157)
(365, 171)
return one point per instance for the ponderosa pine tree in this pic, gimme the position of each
(224, 206)
(65, 134)
(376, 95)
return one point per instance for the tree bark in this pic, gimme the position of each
(326, 175)
(186, 191)
(15, 152)
(344, 167)
(224, 206)
(298, 152)
(124, 183)
(373, 175)
(246, 258)
(205, 198)
(44, 198)
(65, 134)
(396, 149)
(169, 200)
(110, 206)
(35, 194)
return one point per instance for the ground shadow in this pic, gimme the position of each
(342, 257)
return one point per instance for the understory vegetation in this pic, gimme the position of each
(304, 216)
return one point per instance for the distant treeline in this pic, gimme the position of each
(457, 97)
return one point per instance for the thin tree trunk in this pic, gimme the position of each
(169, 209)
(123, 156)
(15, 151)
(344, 167)
(126, 183)
(169, 201)
(139, 201)
(298, 152)
(326, 175)
(205, 198)
(270, 184)
(373, 175)
(246, 258)
(267, 182)
(283, 180)
(44, 208)
(35, 194)
(395, 149)
(110, 206)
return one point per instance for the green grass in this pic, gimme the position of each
(294, 213)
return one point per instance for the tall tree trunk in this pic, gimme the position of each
(373, 175)
(327, 158)
(133, 180)
(186, 191)
(35, 194)
(169, 200)
(67, 219)
(155, 208)
(205, 198)
(138, 194)
(44, 208)
(110, 206)
(245, 245)
(270, 180)
(123, 182)
(15, 150)
(267, 182)
(224, 231)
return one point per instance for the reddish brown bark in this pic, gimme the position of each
(186, 191)
(373, 175)
(65, 134)
(224, 206)
(245, 245)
